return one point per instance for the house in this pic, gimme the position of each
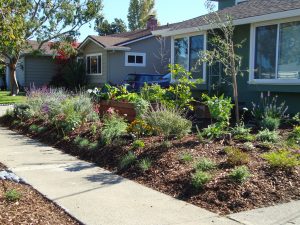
(270, 53)
(34, 68)
(110, 58)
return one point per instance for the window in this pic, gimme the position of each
(276, 52)
(187, 52)
(135, 59)
(94, 64)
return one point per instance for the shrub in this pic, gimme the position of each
(84, 143)
(33, 128)
(242, 133)
(127, 160)
(200, 178)
(64, 110)
(168, 122)
(240, 174)
(236, 157)
(138, 144)
(248, 146)
(141, 106)
(139, 128)
(186, 157)
(179, 94)
(199, 134)
(21, 111)
(153, 93)
(295, 135)
(12, 195)
(270, 123)
(145, 164)
(296, 118)
(219, 107)
(166, 144)
(114, 126)
(269, 108)
(205, 164)
(282, 159)
(267, 136)
(213, 131)
(41, 129)
(93, 145)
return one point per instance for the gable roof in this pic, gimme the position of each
(34, 45)
(118, 41)
(243, 13)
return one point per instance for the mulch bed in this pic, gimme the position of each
(32, 208)
(169, 175)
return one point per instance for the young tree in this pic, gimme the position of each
(139, 12)
(103, 27)
(223, 49)
(45, 20)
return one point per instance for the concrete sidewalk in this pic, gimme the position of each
(283, 214)
(94, 195)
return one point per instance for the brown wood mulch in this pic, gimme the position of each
(169, 175)
(31, 208)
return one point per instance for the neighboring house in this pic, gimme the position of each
(110, 58)
(34, 68)
(270, 53)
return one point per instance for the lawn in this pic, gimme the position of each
(6, 98)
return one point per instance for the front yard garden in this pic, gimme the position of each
(224, 167)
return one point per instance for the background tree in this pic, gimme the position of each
(134, 15)
(45, 20)
(103, 27)
(139, 12)
(223, 49)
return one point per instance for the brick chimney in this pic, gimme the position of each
(152, 22)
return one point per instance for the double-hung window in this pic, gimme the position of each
(187, 53)
(276, 56)
(94, 64)
(135, 59)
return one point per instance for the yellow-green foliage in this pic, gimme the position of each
(282, 158)
(236, 157)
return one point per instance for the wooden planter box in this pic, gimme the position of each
(201, 111)
(125, 109)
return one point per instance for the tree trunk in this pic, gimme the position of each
(236, 98)
(14, 87)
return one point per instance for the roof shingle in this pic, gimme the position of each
(250, 8)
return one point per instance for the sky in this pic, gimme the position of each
(168, 11)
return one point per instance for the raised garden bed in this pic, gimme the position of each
(125, 109)
(170, 175)
(31, 208)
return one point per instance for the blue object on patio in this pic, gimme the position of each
(137, 81)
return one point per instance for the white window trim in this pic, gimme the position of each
(239, 1)
(252, 54)
(135, 54)
(96, 54)
(173, 38)
(79, 58)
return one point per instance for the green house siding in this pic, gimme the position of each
(249, 93)
(226, 3)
